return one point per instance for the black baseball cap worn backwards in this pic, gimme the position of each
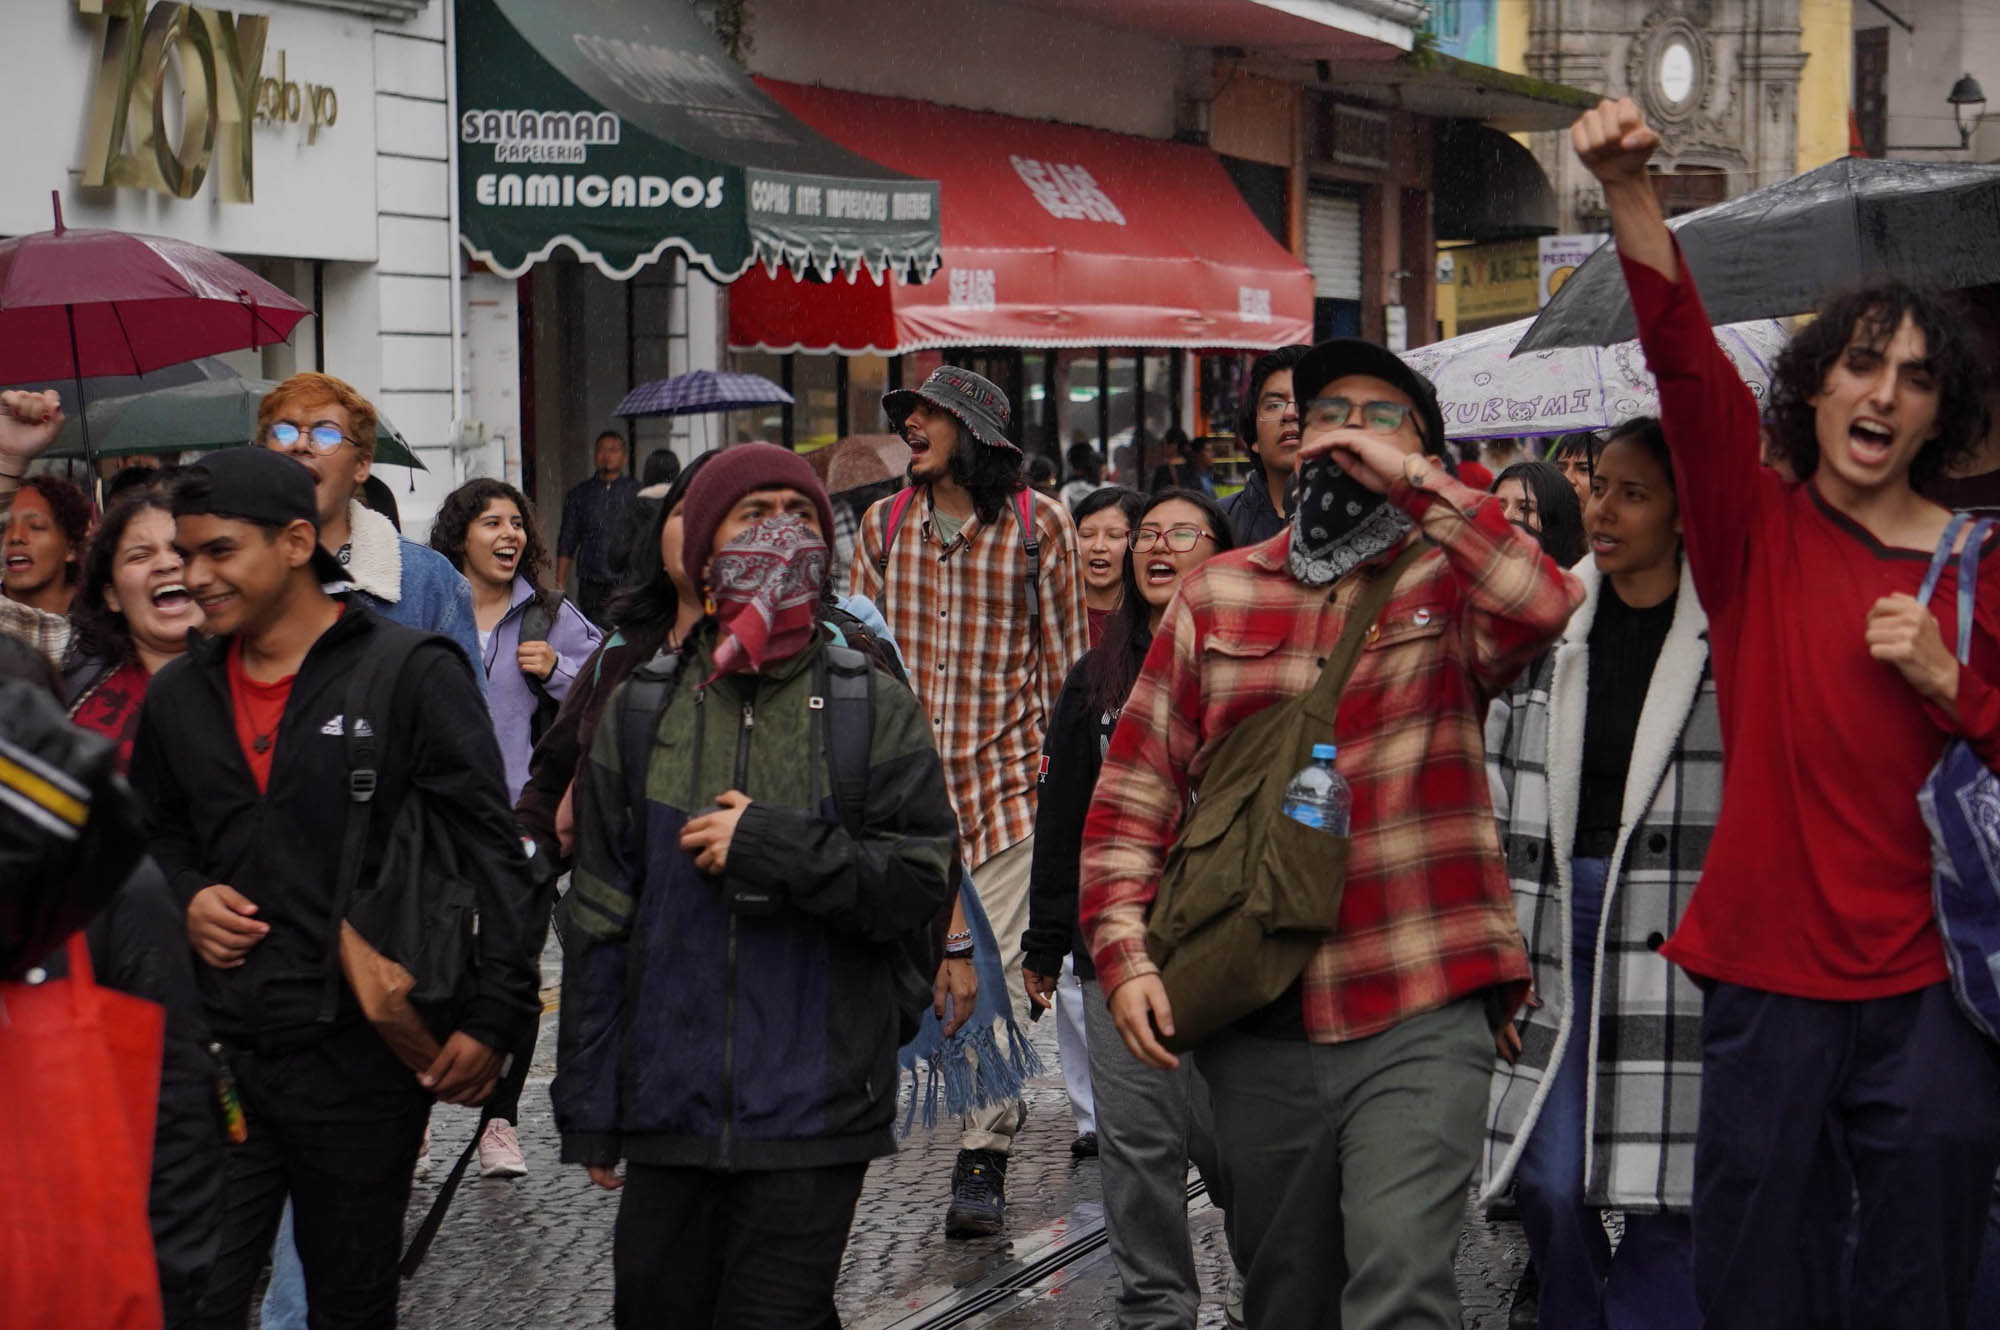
(1343, 356)
(257, 485)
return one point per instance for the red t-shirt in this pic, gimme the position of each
(1098, 618)
(111, 708)
(258, 708)
(1818, 879)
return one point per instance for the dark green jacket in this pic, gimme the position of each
(747, 1021)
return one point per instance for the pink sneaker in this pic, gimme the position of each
(500, 1152)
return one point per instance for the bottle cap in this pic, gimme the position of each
(1324, 752)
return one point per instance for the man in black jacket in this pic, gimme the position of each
(1267, 424)
(241, 762)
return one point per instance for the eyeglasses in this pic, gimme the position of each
(1179, 539)
(1274, 407)
(321, 438)
(1335, 412)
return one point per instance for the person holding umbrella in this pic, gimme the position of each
(1835, 1062)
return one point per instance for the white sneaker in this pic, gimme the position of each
(500, 1151)
(423, 1168)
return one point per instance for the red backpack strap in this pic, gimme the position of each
(899, 508)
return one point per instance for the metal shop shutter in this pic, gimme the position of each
(1333, 243)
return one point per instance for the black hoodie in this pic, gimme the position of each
(207, 823)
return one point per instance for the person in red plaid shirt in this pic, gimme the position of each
(1348, 1113)
(948, 564)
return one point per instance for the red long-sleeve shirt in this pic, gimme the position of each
(1817, 883)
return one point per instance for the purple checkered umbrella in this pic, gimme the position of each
(701, 391)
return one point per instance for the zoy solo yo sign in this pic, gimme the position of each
(218, 58)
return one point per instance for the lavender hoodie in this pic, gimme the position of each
(508, 692)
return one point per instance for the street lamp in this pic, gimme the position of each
(1968, 103)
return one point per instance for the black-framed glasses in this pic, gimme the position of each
(1179, 539)
(1336, 412)
(321, 438)
(1274, 407)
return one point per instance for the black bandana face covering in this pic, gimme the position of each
(1339, 524)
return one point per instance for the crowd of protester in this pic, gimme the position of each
(1038, 757)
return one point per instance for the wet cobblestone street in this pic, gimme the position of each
(536, 1251)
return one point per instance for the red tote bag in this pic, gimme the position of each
(79, 1085)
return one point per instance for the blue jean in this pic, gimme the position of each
(285, 1296)
(1649, 1280)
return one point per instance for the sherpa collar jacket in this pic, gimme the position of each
(1644, 1086)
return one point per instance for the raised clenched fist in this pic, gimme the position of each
(1614, 141)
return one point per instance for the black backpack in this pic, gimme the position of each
(844, 720)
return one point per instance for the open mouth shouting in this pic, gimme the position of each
(1159, 572)
(1870, 441)
(506, 556)
(173, 598)
(20, 563)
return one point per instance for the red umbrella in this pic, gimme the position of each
(85, 303)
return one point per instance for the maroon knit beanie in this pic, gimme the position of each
(741, 469)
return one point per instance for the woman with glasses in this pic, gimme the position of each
(1149, 1123)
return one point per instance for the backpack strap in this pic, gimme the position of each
(371, 690)
(645, 696)
(899, 508)
(1031, 547)
(537, 619)
(846, 684)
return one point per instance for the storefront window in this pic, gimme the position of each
(766, 422)
(867, 380)
(815, 402)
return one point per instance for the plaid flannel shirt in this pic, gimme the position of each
(46, 633)
(1426, 916)
(986, 675)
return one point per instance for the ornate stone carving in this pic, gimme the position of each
(1688, 54)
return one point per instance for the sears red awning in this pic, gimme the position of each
(1052, 236)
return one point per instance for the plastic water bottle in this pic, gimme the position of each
(1318, 796)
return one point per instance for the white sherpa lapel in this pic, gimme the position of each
(1669, 696)
(374, 553)
(1569, 691)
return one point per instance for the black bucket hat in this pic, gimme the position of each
(1350, 355)
(968, 398)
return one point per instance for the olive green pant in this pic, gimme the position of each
(1348, 1165)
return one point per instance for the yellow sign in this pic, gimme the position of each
(1496, 282)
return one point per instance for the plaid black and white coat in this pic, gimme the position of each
(1644, 1091)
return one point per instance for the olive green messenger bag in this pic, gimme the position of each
(1247, 894)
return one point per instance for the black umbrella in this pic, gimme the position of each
(1780, 250)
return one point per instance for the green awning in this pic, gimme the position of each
(621, 129)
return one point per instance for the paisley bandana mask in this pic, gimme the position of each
(765, 586)
(1339, 524)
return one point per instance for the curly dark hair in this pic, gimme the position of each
(1116, 660)
(1872, 314)
(71, 509)
(463, 506)
(992, 476)
(100, 630)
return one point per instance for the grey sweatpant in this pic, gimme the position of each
(1150, 1125)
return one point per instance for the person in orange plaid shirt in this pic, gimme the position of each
(1349, 1112)
(987, 656)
